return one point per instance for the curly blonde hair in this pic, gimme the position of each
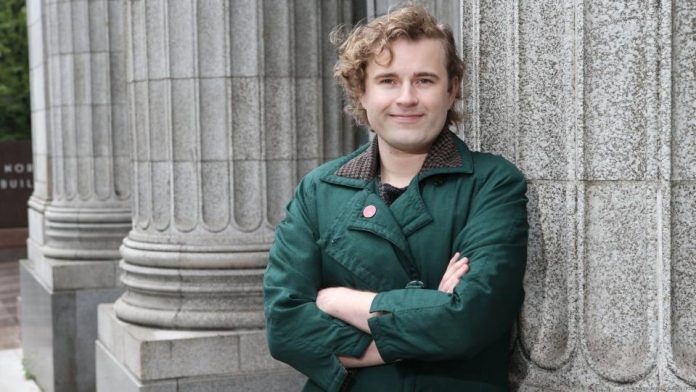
(360, 45)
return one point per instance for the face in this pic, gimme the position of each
(407, 100)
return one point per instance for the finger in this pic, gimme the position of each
(460, 271)
(453, 260)
(451, 285)
(450, 267)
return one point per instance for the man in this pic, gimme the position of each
(399, 267)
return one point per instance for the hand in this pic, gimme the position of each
(455, 270)
(371, 357)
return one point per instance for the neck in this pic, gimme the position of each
(397, 168)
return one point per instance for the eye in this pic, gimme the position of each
(387, 81)
(425, 81)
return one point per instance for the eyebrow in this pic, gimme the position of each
(417, 74)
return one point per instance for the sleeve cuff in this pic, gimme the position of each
(377, 327)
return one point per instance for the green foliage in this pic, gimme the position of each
(15, 111)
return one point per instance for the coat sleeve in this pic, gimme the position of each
(427, 324)
(298, 333)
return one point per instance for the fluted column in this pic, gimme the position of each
(230, 105)
(590, 100)
(230, 102)
(89, 213)
(79, 212)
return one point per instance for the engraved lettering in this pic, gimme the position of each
(18, 168)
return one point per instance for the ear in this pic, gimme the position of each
(453, 90)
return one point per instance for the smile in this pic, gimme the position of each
(406, 118)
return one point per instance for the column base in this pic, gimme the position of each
(134, 358)
(58, 331)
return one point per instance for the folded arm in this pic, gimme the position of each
(436, 325)
(298, 332)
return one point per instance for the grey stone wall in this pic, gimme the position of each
(594, 101)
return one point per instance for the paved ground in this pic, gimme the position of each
(11, 372)
(9, 292)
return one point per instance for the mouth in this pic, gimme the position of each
(406, 117)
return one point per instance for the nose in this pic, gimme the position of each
(407, 95)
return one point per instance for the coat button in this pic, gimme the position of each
(415, 284)
(369, 211)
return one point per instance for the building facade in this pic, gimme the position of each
(168, 136)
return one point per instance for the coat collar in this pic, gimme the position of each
(448, 154)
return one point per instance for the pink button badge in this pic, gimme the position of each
(369, 211)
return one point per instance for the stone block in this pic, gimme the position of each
(278, 31)
(161, 195)
(308, 119)
(103, 179)
(212, 45)
(683, 280)
(85, 177)
(100, 80)
(117, 27)
(37, 55)
(546, 101)
(58, 331)
(281, 177)
(156, 113)
(620, 283)
(100, 131)
(275, 381)
(254, 354)
(98, 22)
(122, 177)
(156, 26)
(142, 206)
(186, 188)
(247, 187)
(497, 84)
(64, 24)
(154, 354)
(684, 131)
(545, 325)
(116, 87)
(333, 118)
(66, 75)
(216, 199)
(246, 118)
(80, 22)
(245, 40)
(620, 58)
(113, 377)
(137, 69)
(279, 121)
(181, 40)
(185, 129)
(306, 27)
(214, 119)
(139, 97)
(34, 8)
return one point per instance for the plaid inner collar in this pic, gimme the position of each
(443, 153)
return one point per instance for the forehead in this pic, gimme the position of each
(405, 53)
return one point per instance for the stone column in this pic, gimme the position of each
(230, 103)
(593, 100)
(79, 212)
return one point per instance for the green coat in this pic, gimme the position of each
(462, 201)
